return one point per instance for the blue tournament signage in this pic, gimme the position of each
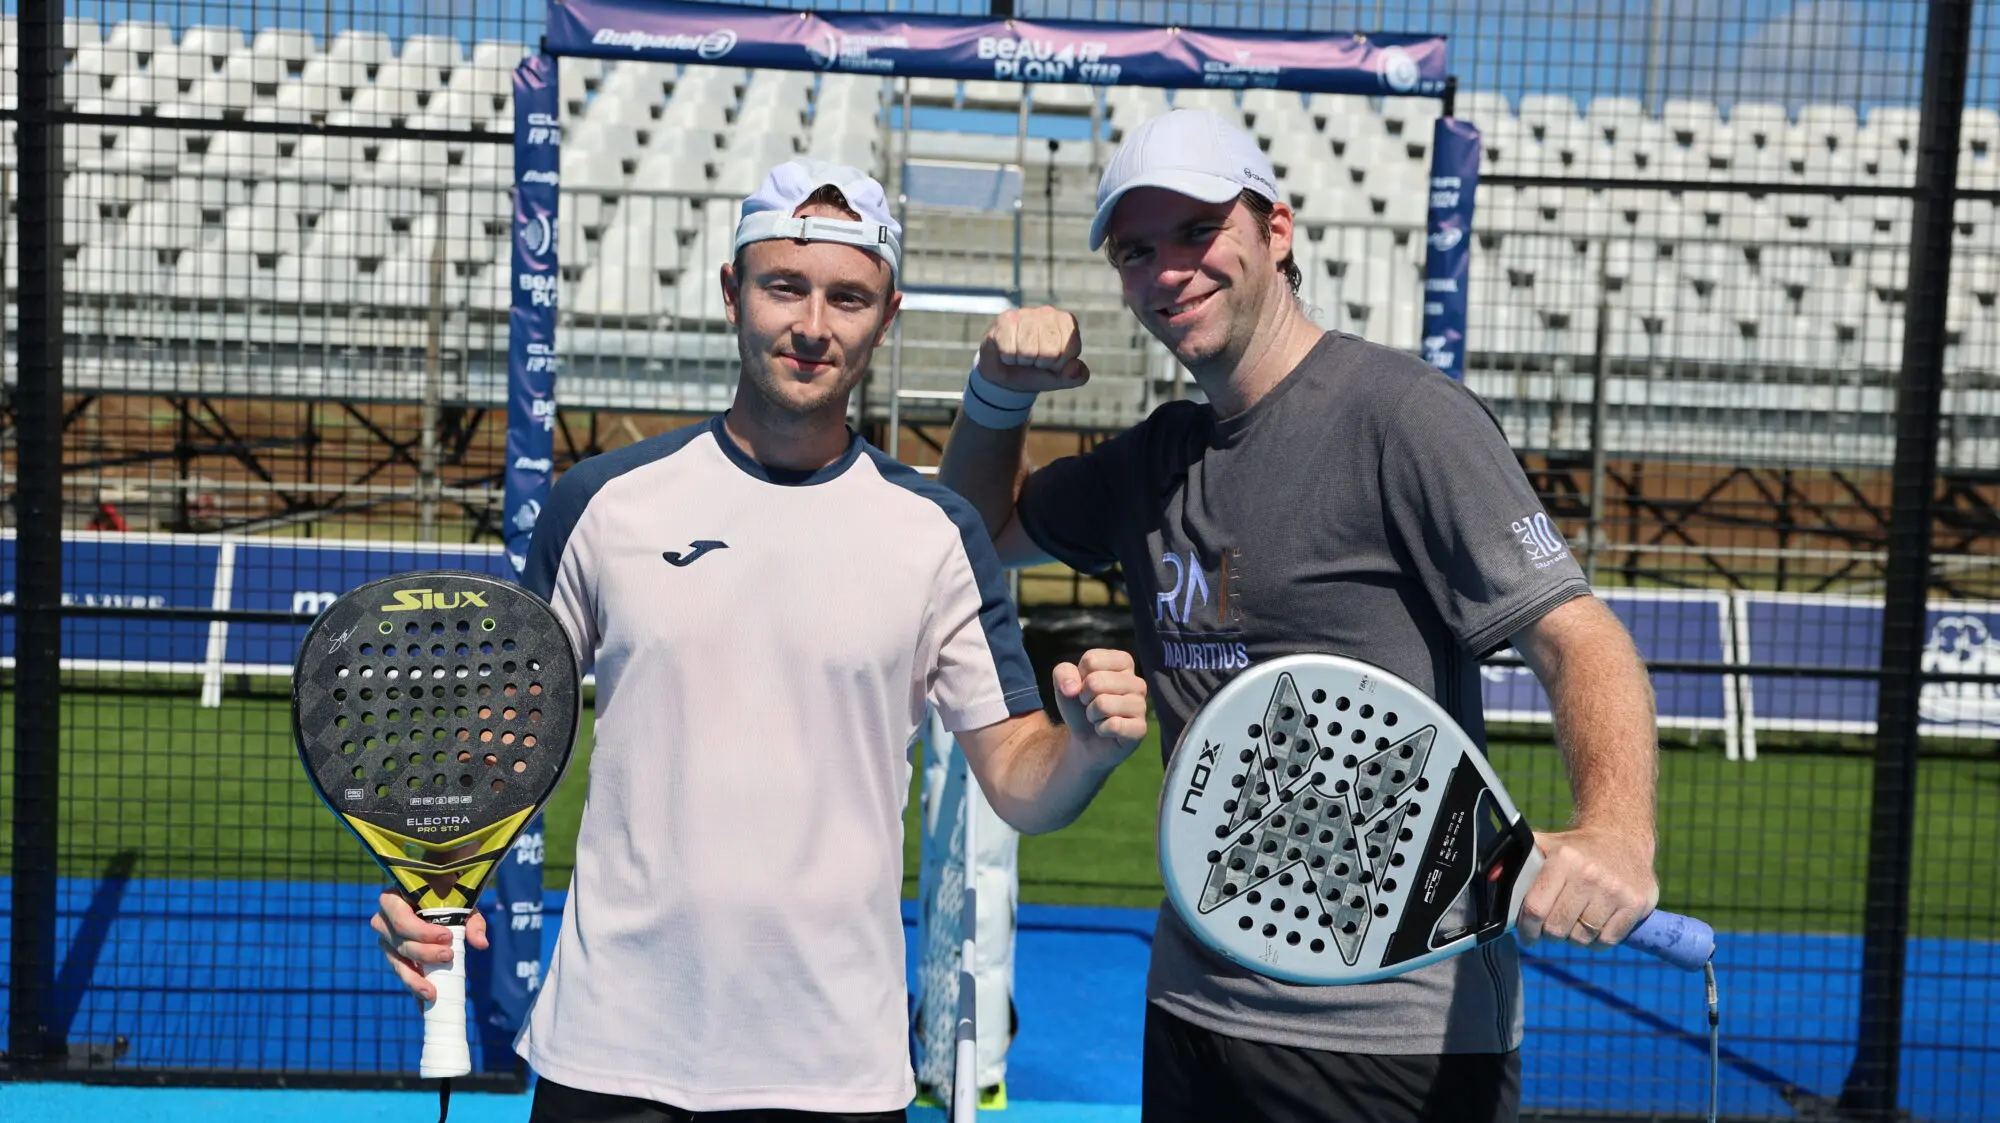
(531, 335)
(1010, 50)
(514, 923)
(1447, 264)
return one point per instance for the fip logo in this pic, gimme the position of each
(825, 52)
(1446, 238)
(1961, 643)
(1400, 71)
(716, 43)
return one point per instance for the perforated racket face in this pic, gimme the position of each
(435, 711)
(1321, 818)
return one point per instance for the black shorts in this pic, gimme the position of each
(557, 1103)
(1195, 1076)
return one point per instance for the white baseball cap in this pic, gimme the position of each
(767, 213)
(1190, 152)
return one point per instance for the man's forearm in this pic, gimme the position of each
(986, 467)
(1039, 782)
(1602, 701)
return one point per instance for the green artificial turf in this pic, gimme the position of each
(1779, 844)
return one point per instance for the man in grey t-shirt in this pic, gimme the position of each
(1330, 496)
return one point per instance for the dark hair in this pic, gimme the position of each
(827, 195)
(1261, 210)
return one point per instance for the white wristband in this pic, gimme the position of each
(996, 407)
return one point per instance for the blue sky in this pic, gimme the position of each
(1855, 52)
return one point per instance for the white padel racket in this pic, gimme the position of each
(1323, 822)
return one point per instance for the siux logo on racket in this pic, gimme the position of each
(420, 600)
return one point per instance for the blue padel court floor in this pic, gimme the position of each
(297, 984)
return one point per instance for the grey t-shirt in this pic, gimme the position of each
(1367, 506)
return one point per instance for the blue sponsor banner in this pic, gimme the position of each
(514, 916)
(127, 571)
(1012, 50)
(531, 323)
(1667, 626)
(1799, 629)
(1448, 256)
(305, 577)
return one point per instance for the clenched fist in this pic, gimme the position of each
(1102, 699)
(1033, 349)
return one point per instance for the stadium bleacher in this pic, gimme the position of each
(1714, 307)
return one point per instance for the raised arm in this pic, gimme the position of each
(1026, 351)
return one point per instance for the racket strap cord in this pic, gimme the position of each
(1714, 1039)
(444, 1098)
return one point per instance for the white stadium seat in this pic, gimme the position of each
(1063, 97)
(80, 33)
(1764, 123)
(413, 163)
(242, 156)
(114, 270)
(982, 94)
(370, 48)
(1612, 115)
(438, 52)
(256, 231)
(331, 159)
(1411, 116)
(1691, 121)
(291, 47)
(485, 165)
(143, 36)
(1979, 130)
(1834, 126)
(224, 94)
(163, 224)
(350, 234)
(261, 71)
(1222, 102)
(215, 44)
(214, 274)
(1537, 110)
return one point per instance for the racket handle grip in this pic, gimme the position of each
(1682, 941)
(445, 1049)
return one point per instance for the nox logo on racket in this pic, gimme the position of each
(425, 600)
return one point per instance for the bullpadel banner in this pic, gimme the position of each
(514, 922)
(1015, 50)
(1448, 234)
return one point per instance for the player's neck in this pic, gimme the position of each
(1235, 382)
(777, 439)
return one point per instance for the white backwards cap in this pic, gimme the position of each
(767, 213)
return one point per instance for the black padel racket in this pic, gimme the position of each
(435, 712)
(1322, 820)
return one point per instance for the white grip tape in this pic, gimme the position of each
(445, 1049)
